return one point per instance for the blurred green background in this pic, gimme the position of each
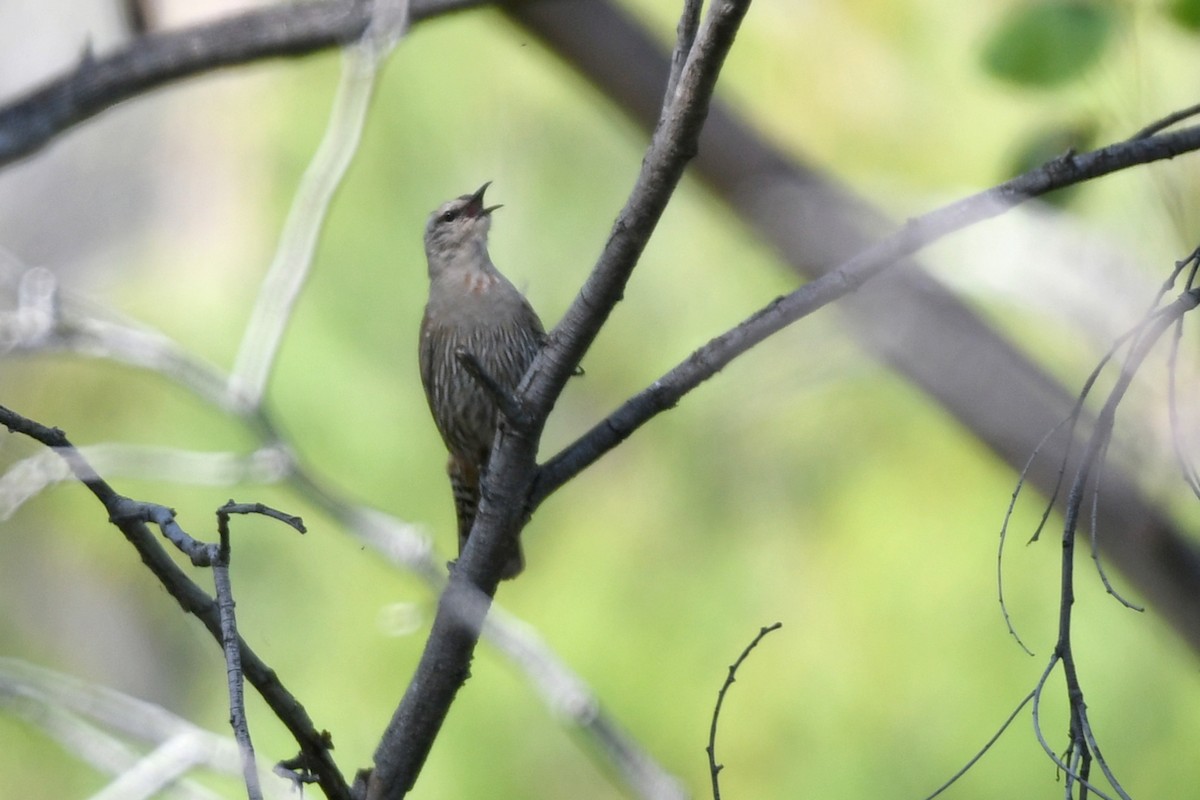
(804, 484)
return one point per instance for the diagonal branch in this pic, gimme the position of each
(675, 142)
(192, 599)
(98, 83)
(917, 234)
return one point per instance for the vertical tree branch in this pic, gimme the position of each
(444, 664)
(229, 636)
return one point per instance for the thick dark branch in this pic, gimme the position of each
(444, 664)
(315, 745)
(96, 84)
(918, 233)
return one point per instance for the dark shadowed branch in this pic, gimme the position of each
(99, 82)
(444, 664)
(983, 750)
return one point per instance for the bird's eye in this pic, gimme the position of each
(449, 216)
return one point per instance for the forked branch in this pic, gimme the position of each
(125, 514)
(443, 667)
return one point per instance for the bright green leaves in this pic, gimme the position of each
(1185, 14)
(1049, 42)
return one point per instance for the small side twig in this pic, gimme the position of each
(224, 512)
(685, 36)
(983, 750)
(230, 642)
(510, 408)
(1165, 122)
(1187, 468)
(713, 767)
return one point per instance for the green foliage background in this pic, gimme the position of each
(804, 484)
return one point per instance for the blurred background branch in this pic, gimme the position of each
(94, 723)
(936, 338)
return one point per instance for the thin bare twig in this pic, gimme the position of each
(233, 664)
(1008, 512)
(229, 635)
(1187, 468)
(1165, 122)
(714, 769)
(1083, 747)
(1069, 767)
(1094, 531)
(983, 750)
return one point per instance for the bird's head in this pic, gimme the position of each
(458, 227)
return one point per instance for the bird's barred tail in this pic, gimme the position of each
(464, 484)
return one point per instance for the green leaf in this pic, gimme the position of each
(1185, 14)
(1049, 42)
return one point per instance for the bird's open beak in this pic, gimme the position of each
(477, 201)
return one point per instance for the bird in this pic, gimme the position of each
(473, 311)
